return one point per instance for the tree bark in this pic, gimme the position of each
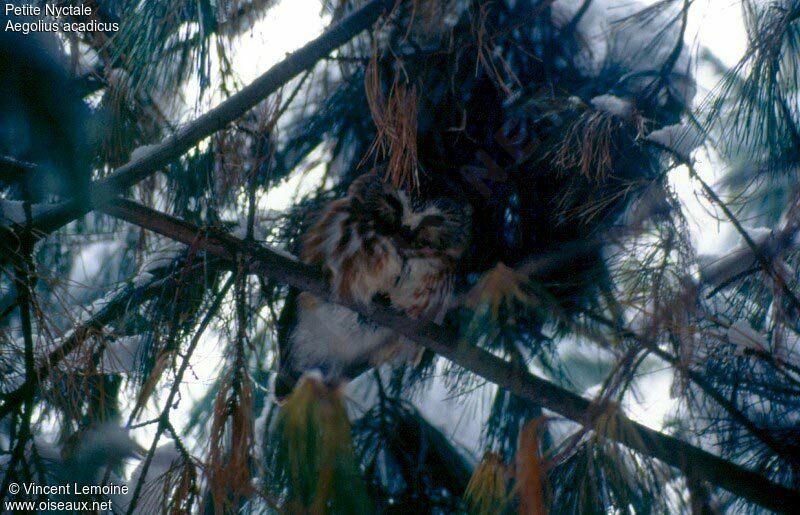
(157, 156)
(697, 464)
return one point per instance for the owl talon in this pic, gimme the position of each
(501, 286)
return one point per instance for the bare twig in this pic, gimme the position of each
(214, 120)
(114, 308)
(757, 250)
(163, 419)
(694, 462)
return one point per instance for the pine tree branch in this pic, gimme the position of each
(757, 250)
(118, 305)
(158, 156)
(742, 260)
(163, 419)
(24, 434)
(735, 413)
(697, 464)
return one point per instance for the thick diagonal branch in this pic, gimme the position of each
(694, 462)
(157, 156)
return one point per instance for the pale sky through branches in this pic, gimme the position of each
(713, 24)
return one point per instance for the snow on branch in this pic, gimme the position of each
(682, 139)
(718, 271)
(148, 160)
(694, 462)
(743, 336)
(112, 306)
(620, 107)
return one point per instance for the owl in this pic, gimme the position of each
(378, 244)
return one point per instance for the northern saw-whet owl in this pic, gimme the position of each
(376, 244)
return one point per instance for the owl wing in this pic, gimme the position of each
(358, 262)
(358, 265)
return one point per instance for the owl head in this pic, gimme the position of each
(419, 226)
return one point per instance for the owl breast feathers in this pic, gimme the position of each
(377, 243)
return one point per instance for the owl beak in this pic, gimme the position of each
(403, 241)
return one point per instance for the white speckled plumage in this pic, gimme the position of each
(376, 243)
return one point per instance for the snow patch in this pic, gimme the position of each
(282, 253)
(140, 153)
(161, 259)
(613, 105)
(682, 139)
(161, 477)
(14, 211)
(716, 269)
(122, 355)
(96, 306)
(744, 337)
(759, 235)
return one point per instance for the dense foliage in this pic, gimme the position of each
(138, 339)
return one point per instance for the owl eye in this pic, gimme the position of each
(386, 214)
(394, 205)
(429, 231)
(430, 221)
(425, 238)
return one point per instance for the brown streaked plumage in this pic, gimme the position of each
(377, 243)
